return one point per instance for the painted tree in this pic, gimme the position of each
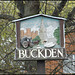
(56, 34)
(10, 10)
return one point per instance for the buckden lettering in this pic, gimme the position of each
(40, 53)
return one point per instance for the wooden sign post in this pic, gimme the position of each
(40, 37)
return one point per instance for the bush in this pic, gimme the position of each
(37, 38)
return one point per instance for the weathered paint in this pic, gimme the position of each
(35, 23)
(50, 24)
(41, 54)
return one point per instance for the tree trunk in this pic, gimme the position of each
(31, 8)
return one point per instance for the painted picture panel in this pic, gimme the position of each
(39, 32)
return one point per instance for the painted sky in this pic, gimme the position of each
(37, 21)
(34, 24)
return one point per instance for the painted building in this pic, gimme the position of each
(42, 32)
(28, 33)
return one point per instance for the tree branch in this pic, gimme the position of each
(59, 8)
(9, 53)
(70, 18)
(71, 14)
(9, 17)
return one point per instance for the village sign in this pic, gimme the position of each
(40, 37)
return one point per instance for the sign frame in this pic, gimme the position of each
(61, 25)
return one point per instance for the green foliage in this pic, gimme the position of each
(67, 9)
(36, 38)
(56, 34)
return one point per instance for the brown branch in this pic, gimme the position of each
(46, 7)
(71, 15)
(70, 18)
(72, 24)
(7, 17)
(59, 8)
(9, 53)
